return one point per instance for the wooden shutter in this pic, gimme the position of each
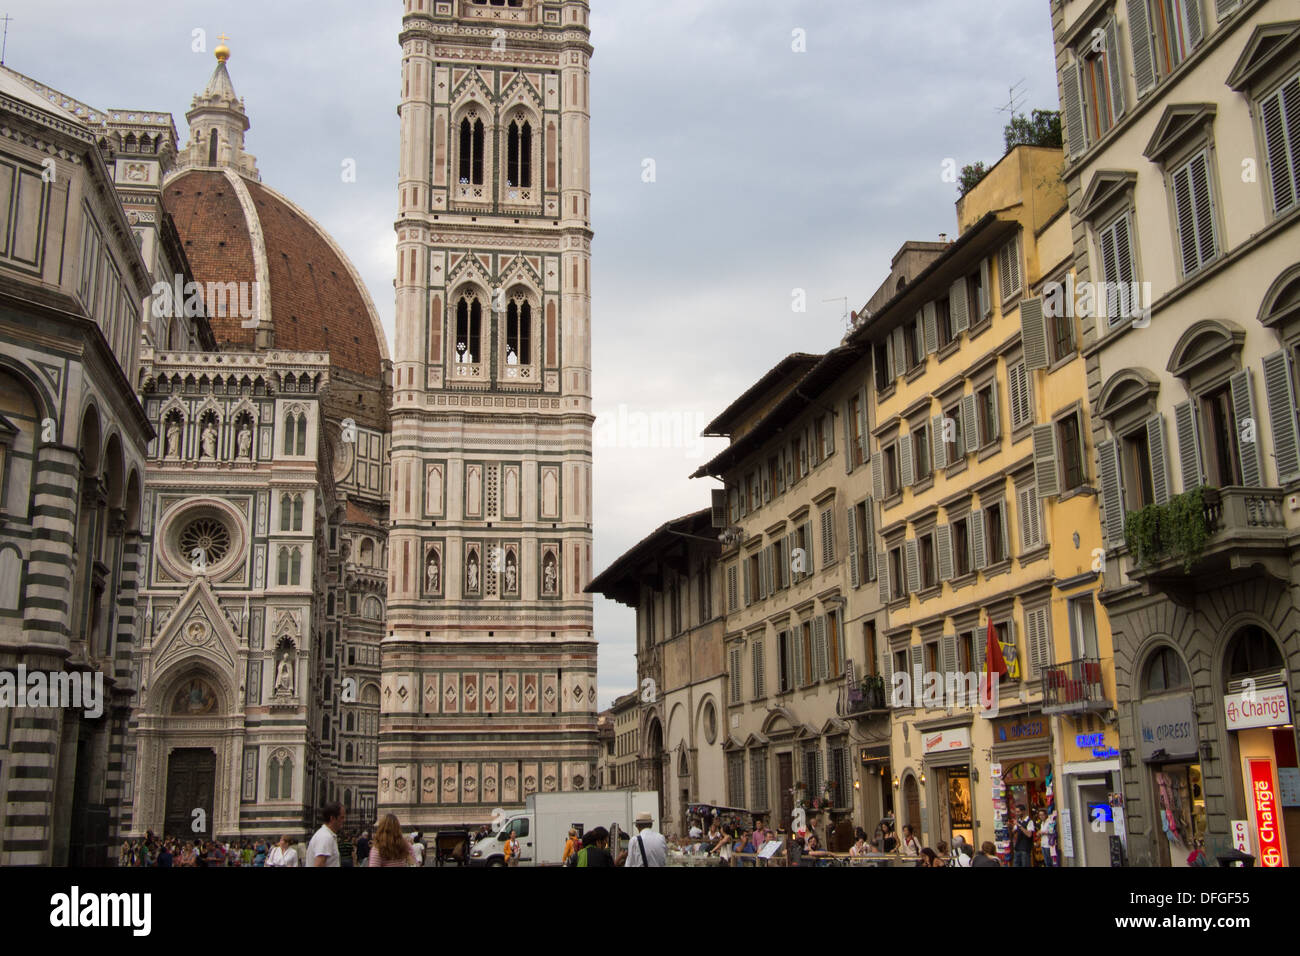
(869, 532)
(906, 461)
(975, 525)
(959, 307)
(900, 352)
(819, 649)
(1014, 384)
(948, 654)
(911, 552)
(1224, 7)
(744, 563)
(1006, 538)
(1030, 530)
(1282, 142)
(1279, 393)
(878, 475)
(1195, 26)
(732, 598)
(854, 575)
(828, 537)
(997, 411)
(1243, 407)
(1033, 333)
(970, 424)
(1113, 66)
(882, 576)
(848, 438)
(758, 669)
(1112, 499)
(943, 544)
(937, 442)
(1047, 471)
(916, 655)
(1189, 445)
(1074, 128)
(808, 548)
(1159, 460)
(930, 324)
(733, 674)
(978, 648)
(1139, 31)
(797, 641)
(1009, 268)
(887, 671)
(986, 287)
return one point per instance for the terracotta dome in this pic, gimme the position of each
(235, 229)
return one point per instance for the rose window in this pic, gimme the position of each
(205, 541)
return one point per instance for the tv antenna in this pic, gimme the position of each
(4, 43)
(844, 315)
(1015, 99)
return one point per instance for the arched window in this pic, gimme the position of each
(1165, 672)
(519, 154)
(471, 151)
(282, 568)
(367, 553)
(286, 511)
(519, 331)
(280, 778)
(297, 512)
(1252, 651)
(295, 566)
(325, 727)
(469, 328)
(352, 722)
(212, 147)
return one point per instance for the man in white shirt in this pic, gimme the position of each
(647, 848)
(323, 850)
(417, 847)
(282, 854)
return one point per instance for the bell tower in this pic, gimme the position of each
(489, 658)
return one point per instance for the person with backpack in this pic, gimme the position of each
(571, 847)
(595, 850)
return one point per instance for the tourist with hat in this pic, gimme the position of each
(647, 848)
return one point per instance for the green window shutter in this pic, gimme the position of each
(1280, 122)
(882, 576)
(1047, 472)
(940, 446)
(854, 575)
(986, 297)
(1279, 392)
(1159, 460)
(1033, 333)
(1112, 498)
(929, 322)
(1075, 136)
(1243, 407)
(1224, 7)
(819, 648)
(959, 307)
(943, 544)
(907, 462)
(749, 599)
(828, 537)
(975, 527)
(1195, 26)
(869, 531)
(1114, 68)
(912, 554)
(970, 424)
(1189, 445)
(1139, 31)
(949, 654)
(878, 475)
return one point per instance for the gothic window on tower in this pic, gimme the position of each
(519, 157)
(469, 334)
(295, 433)
(470, 171)
(519, 337)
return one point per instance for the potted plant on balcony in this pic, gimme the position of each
(873, 692)
(1177, 530)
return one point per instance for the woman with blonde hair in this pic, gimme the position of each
(390, 848)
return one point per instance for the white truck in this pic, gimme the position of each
(544, 823)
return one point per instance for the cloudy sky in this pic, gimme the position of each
(773, 171)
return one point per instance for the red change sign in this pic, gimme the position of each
(1268, 816)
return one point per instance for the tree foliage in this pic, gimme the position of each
(1041, 128)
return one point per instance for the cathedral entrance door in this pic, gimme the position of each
(191, 775)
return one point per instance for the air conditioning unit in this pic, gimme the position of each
(720, 508)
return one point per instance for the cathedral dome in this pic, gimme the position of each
(308, 293)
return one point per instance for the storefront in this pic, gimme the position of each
(1258, 719)
(1090, 799)
(876, 793)
(946, 774)
(1022, 748)
(1169, 750)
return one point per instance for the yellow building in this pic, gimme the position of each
(980, 449)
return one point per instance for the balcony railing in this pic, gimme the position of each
(1074, 687)
(861, 698)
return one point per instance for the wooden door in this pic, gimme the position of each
(191, 775)
(785, 783)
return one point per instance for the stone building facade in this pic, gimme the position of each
(489, 664)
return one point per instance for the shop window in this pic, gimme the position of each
(1252, 652)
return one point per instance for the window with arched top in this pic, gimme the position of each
(291, 511)
(1252, 651)
(367, 553)
(279, 777)
(1165, 672)
(519, 154)
(212, 147)
(519, 332)
(469, 329)
(289, 567)
(295, 434)
(351, 722)
(470, 170)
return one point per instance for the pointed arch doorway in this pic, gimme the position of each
(191, 779)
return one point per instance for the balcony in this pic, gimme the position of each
(1074, 687)
(864, 698)
(1235, 531)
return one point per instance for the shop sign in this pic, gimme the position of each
(1066, 832)
(1027, 771)
(1241, 835)
(940, 741)
(1011, 729)
(1257, 708)
(1096, 743)
(1268, 816)
(1167, 724)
